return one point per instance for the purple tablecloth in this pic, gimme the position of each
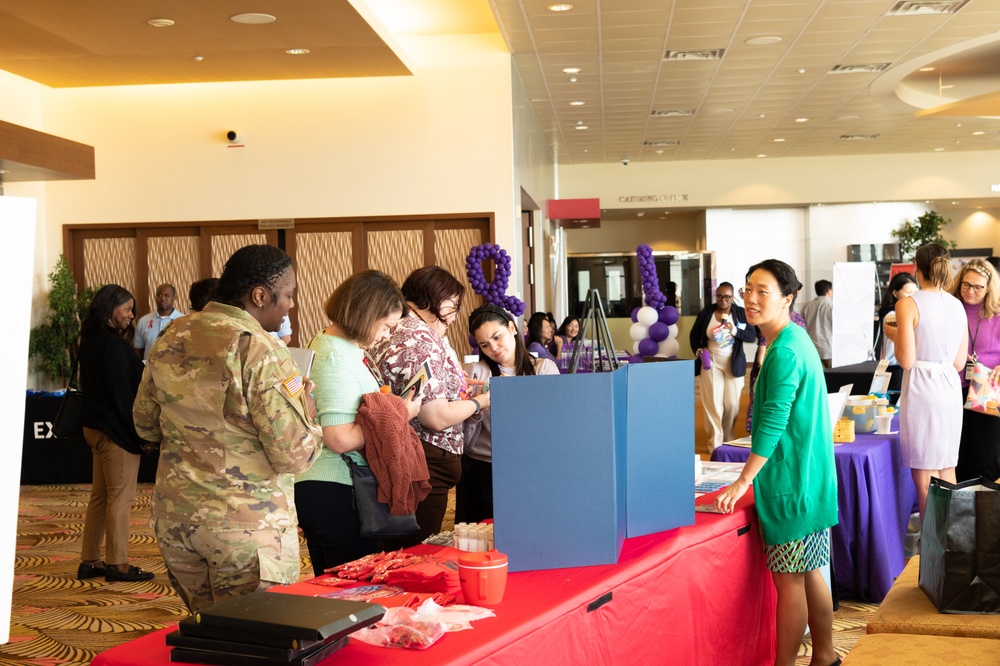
(876, 496)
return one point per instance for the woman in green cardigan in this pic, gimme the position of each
(791, 466)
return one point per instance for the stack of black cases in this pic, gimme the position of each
(270, 628)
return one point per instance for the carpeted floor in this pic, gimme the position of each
(59, 620)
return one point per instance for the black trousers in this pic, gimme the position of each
(330, 524)
(474, 494)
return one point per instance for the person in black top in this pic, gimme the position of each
(720, 331)
(109, 377)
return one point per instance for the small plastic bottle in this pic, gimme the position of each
(489, 537)
(463, 537)
(456, 535)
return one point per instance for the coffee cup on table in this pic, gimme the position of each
(883, 424)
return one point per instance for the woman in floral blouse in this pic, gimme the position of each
(434, 297)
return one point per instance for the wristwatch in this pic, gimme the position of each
(476, 403)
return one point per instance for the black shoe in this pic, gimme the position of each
(133, 574)
(86, 571)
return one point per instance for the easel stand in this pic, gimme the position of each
(595, 321)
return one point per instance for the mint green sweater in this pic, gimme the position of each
(796, 490)
(341, 378)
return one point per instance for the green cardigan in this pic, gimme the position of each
(796, 490)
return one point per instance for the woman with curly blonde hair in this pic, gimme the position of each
(978, 287)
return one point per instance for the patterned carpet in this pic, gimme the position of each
(59, 620)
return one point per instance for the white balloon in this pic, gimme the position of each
(639, 331)
(668, 348)
(673, 332)
(647, 316)
(635, 347)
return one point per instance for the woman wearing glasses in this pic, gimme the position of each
(720, 330)
(931, 341)
(790, 466)
(978, 288)
(434, 298)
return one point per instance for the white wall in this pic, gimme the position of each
(741, 238)
(427, 143)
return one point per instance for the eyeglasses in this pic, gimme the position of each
(448, 307)
(760, 293)
(723, 297)
(974, 288)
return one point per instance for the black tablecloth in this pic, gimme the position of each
(860, 374)
(47, 459)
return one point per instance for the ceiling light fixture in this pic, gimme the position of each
(571, 70)
(671, 113)
(561, 7)
(719, 112)
(926, 69)
(857, 137)
(868, 68)
(703, 54)
(577, 103)
(198, 58)
(801, 120)
(802, 70)
(252, 18)
(979, 133)
(925, 7)
(761, 155)
(160, 22)
(761, 115)
(779, 140)
(572, 79)
(763, 41)
(297, 51)
(939, 150)
(581, 127)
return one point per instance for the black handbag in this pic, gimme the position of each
(68, 421)
(69, 418)
(960, 546)
(376, 520)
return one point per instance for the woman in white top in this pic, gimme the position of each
(502, 353)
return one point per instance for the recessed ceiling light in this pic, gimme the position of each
(586, 150)
(947, 87)
(561, 7)
(572, 79)
(979, 133)
(640, 214)
(659, 151)
(779, 140)
(571, 70)
(955, 203)
(581, 127)
(763, 41)
(198, 58)
(801, 120)
(296, 51)
(2, 171)
(761, 155)
(719, 112)
(577, 103)
(252, 18)
(926, 69)
(160, 23)
(939, 150)
(761, 115)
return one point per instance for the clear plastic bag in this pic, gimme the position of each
(420, 628)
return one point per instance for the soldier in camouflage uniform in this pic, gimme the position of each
(235, 422)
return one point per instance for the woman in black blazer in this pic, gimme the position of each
(721, 329)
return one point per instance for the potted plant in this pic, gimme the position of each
(53, 345)
(925, 229)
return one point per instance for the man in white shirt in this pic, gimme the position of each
(148, 328)
(818, 314)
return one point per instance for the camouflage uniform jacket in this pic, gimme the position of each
(227, 403)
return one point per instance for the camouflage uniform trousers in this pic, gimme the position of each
(206, 567)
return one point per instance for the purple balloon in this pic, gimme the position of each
(669, 315)
(659, 331)
(635, 315)
(648, 347)
(637, 358)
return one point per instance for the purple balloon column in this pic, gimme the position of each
(494, 292)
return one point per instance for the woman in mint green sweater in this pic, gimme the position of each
(361, 310)
(791, 466)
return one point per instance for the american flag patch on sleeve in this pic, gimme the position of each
(294, 385)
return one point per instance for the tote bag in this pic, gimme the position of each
(70, 415)
(960, 546)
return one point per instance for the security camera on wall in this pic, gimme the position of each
(624, 161)
(232, 136)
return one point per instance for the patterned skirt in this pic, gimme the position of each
(810, 552)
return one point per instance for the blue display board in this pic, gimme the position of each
(582, 461)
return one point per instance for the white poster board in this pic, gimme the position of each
(854, 284)
(17, 218)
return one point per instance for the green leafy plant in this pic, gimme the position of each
(925, 229)
(53, 345)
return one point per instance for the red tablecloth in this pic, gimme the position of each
(694, 595)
